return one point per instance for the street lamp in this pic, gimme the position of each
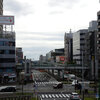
(22, 77)
(82, 73)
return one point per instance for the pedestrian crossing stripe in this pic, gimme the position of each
(54, 96)
(38, 83)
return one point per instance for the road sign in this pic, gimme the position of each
(97, 96)
(6, 20)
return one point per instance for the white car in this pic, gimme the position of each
(74, 96)
(74, 82)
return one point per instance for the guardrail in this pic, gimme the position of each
(21, 97)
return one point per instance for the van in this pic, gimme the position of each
(71, 77)
(58, 85)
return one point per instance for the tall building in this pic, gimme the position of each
(7, 53)
(7, 57)
(68, 47)
(79, 45)
(19, 55)
(42, 59)
(98, 34)
(1, 13)
(91, 48)
(98, 39)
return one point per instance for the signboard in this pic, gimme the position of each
(97, 96)
(6, 20)
(62, 58)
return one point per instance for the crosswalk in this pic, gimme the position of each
(54, 96)
(44, 83)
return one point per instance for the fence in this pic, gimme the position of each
(16, 97)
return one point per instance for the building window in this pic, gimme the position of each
(98, 17)
(98, 42)
(1, 51)
(11, 43)
(12, 52)
(1, 43)
(98, 23)
(98, 29)
(6, 52)
(7, 60)
(6, 43)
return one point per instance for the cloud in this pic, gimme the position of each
(17, 8)
(63, 3)
(56, 12)
(36, 43)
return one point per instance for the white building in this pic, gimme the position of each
(79, 45)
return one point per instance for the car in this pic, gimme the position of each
(8, 89)
(74, 96)
(74, 82)
(58, 85)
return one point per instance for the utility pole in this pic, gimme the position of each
(81, 50)
(82, 76)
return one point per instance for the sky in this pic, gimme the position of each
(40, 25)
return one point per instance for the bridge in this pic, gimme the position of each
(60, 67)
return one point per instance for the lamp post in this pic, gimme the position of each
(22, 77)
(82, 74)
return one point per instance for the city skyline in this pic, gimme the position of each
(40, 25)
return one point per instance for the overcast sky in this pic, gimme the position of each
(40, 24)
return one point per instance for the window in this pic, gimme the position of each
(12, 52)
(7, 60)
(1, 43)
(98, 17)
(1, 51)
(6, 43)
(6, 52)
(11, 43)
(98, 29)
(98, 23)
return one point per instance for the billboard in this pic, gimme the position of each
(60, 58)
(6, 20)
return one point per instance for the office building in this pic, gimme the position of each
(7, 57)
(68, 47)
(1, 13)
(79, 45)
(19, 55)
(98, 34)
(51, 56)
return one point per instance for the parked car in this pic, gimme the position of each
(8, 89)
(58, 85)
(74, 96)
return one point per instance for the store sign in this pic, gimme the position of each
(6, 20)
(62, 58)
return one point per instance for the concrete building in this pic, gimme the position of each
(51, 56)
(7, 57)
(92, 26)
(91, 48)
(7, 53)
(19, 55)
(79, 45)
(98, 40)
(1, 13)
(68, 47)
(98, 34)
(42, 59)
